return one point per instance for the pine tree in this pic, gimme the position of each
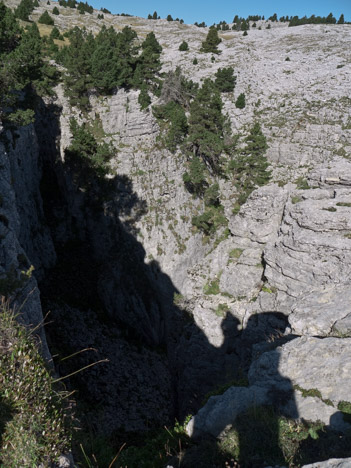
(175, 114)
(225, 79)
(144, 98)
(341, 20)
(113, 59)
(24, 9)
(244, 26)
(207, 125)
(87, 158)
(330, 19)
(103, 65)
(250, 166)
(149, 60)
(45, 18)
(55, 11)
(77, 59)
(10, 32)
(195, 179)
(29, 53)
(55, 33)
(10, 38)
(211, 42)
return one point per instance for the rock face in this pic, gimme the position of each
(306, 378)
(308, 262)
(308, 363)
(332, 463)
(121, 116)
(25, 240)
(220, 412)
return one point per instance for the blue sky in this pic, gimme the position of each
(212, 11)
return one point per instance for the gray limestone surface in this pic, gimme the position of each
(332, 463)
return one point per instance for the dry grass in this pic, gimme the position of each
(228, 37)
(44, 29)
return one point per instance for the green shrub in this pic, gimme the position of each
(347, 204)
(211, 220)
(225, 80)
(184, 46)
(195, 62)
(240, 103)
(345, 408)
(178, 299)
(211, 195)
(21, 117)
(144, 99)
(194, 179)
(86, 151)
(212, 288)
(208, 126)
(221, 311)
(45, 18)
(24, 9)
(55, 11)
(55, 33)
(174, 114)
(211, 42)
(249, 168)
(302, 183)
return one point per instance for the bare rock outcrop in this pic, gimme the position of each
(332, 463)
(308, 264)
(306, 378)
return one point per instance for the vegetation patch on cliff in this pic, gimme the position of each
(33, 410)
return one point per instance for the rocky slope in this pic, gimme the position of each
(109, 269)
